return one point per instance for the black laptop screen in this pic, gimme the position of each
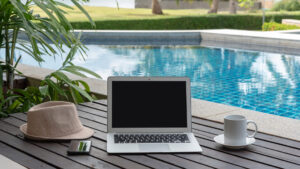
(149, 104)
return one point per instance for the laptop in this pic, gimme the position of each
(150, 115)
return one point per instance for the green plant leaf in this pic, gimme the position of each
(65, 79)
(85, 12)
(17, 62)
(44, 90)
(74, 71)
(82, 69)
(85, 85)
(17, 17)
(54, 86)
(73, 95)
(13, 108)
(3, 114)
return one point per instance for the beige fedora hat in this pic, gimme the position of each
(54, 120)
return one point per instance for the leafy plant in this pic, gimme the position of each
(56, 86)
(287, 5)
(17, 17)
(273, 26)
(247, 4)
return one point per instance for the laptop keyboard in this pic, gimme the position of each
(151, 138)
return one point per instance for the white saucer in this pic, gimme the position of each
(220, 140)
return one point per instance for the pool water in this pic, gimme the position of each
(265, 82)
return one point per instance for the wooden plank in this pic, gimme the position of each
(232, 159)
(90, 124)
(262, 136)
(93, 124)
(213, 161)
(117, 160)
(61, 150)
(88, 159)
(258, 142)
(206, 136)
(202, 159)
(95, 141)
(257, 149)
(88, 115)
(178, 161)
(265, 166)
(114, 159)
(246, 154)
(91, 110)
(86, 122)
(142, 159)
(24, 117)
(22, 158)
(212, 124)
(227, 161)
(95, 106)
(103, 102)
(209, 160)
(98, 134)
(263, 144)
(151, 162)
(16, 120)
(37, 152)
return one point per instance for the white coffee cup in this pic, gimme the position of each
(235, 130)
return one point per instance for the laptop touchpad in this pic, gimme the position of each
(154, 147)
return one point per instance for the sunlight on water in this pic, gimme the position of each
(265, 82)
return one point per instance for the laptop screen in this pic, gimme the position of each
(149, 104)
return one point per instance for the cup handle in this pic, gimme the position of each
(254, 133)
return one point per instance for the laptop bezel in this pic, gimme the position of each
(148, 130)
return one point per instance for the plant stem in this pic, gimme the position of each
(11, 62)
(1, 86)
(7, 57)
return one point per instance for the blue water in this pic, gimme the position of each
(265, 82)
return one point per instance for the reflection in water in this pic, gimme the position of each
(259, 81)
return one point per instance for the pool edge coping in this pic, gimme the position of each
(266, 41)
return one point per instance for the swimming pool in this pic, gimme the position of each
(265, 82)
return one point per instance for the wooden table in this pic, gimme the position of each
(267, 152)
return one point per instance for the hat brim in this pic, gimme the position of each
(82, 134)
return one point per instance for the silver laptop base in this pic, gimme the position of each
(192, 147)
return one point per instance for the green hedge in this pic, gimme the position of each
(273, 26)
(247, 22)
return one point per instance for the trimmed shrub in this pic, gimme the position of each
(287, 5)
(220, 21)
(273, 26)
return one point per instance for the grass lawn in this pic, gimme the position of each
(143, 19)
(105, 13)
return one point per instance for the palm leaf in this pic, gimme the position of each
(54, 86)
(64, 78)
(82, 69)
(84, 11)
(85, 85)
(82, 92)
(74, 71)
(44, 90)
